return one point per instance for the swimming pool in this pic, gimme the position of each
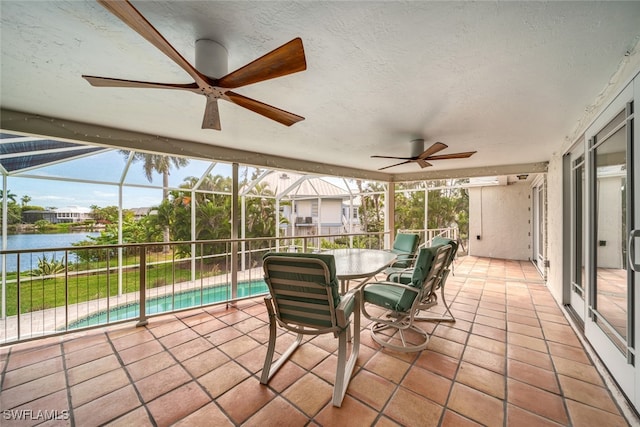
(177, 301)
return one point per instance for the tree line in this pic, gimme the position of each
(171, 219)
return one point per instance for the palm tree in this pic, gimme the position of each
(25, 200)
(161, 164)
(363, 207)
(10, 196)
(261, 211)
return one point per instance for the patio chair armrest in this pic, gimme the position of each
(389, 295)
(405, 258)
(349, 303)
(397, 276)
(396, 284)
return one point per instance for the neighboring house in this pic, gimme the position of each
(32, 216)
(139, 213)
(312, 205)
(71, 214)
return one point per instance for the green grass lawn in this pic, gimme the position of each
(38, 293)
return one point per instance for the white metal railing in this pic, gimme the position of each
(58, 290)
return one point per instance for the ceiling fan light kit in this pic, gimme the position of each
(211, 63)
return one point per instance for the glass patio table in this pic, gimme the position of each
(354, 264)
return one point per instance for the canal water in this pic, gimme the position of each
(41, 241)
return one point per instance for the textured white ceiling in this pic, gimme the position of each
(508, 79)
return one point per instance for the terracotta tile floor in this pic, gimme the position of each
(510, 359)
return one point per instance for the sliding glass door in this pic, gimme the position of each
(605, 216)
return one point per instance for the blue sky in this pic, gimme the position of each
(53, 186)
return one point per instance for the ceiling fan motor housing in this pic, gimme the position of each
(417, 147)
(212, 59)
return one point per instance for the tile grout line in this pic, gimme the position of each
(553, 364)
(68, 386)
(505, 420)
(5, 367)
(458, 366)
(626, 412)
(179, 363)
(116, 353)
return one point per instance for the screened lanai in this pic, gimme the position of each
(47, 175)
(299, 211)
(106, 176)
(58, 172)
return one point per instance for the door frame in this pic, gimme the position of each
(574, 158)
(623, 369)
(538, 224)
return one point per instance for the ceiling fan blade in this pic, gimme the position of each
(109, 82)
(392, 157)
(423, 164)
(266, 110)
(397, 164)
(287, 59)
(211, 119)
(438, 146)
(452, 156)
(134, 19)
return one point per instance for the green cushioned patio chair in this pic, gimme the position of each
(304, 299)
(405, 277)
(394, 327)
(405, 246)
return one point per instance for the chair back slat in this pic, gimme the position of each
(293, 294)
(304, 315)
(440, 263)
(303, 288)
(290, 270)
(441, 241)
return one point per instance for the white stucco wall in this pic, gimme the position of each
(555, 228)
(500, 216)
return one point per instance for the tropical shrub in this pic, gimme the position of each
(47, 267)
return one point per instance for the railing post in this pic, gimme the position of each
(66, 290)
(235, 227)
(143, 287)
(18, 298)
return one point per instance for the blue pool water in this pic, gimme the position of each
(186, 299)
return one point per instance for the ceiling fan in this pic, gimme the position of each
(422, 156)
(287, 59)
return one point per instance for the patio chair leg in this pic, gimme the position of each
(269, 368)
(344, 370)
(378, 336)
(447, 317)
